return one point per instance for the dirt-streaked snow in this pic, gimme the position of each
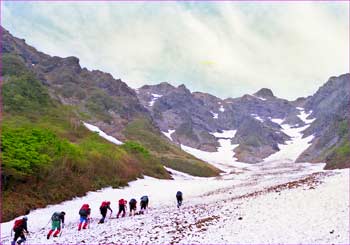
(278, 203)
(102, 134)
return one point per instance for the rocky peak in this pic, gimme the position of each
(264, 93)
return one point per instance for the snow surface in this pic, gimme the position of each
(215, 115)
(223, 158)
(154, 98)
(257, 117)
(102, 134)
(293, 148)
(222, 109)
(303, 116)
(260, 98)
(211, 210)
(169, 133)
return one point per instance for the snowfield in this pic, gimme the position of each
(276, 201)
(272, 203)
(102, 134)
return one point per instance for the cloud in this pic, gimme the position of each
(225, 48)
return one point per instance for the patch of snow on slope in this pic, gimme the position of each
(223, 158)
(257, 117)
(277, 120)
(177, 175)
(154, 98)
(215, 115)
(225, 134)
(303, 116)
(293, 148)
(222, 109)
(102, 134)
(169, 133)
(260, 98)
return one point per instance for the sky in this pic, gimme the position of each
(227, 49)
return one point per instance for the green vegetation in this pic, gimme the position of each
(170, 155)
(339, 156)
(47, 154)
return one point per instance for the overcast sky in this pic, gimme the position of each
(224, 48)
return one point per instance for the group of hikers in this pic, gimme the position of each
(57, 218)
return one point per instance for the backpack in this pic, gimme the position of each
(83, 212)
(121, 202)
(132, 202)
(18, 224)
(144, 199)
(56, 216)
(179, 194)
(104, 204)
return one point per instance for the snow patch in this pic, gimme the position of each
(225, 134)
(102, 134)
(177, 175)
(293, 148)
(260, 98)
(154, 98)
(215, 115)
(303, 116)
(169, 133)
(277, 120)
(257, 117)
(222, 109)
(223, 158)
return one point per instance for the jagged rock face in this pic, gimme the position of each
(264, 93)
(95, 91)
(330, 106)
(195, 116)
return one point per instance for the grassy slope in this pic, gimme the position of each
(47, 154)
(170, 155)
(339, 156)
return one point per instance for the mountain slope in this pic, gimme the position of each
(45, 143)
(330, 106)
(96, 97)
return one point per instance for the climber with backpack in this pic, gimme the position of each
(84, 213)
(122, 207)
(179, 198)
(103, 209)
(143, 204)
(56, 219)
(19, 228)
(132, 206)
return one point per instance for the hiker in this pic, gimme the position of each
(132, 206)
(103, 209)
(179, 198)
(143, 204)
(84, 213)
(56, 219)
(122, 207)
(19, 228)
